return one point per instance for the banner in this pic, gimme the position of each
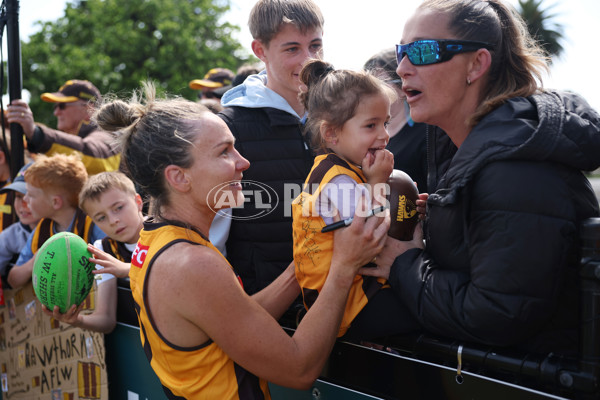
(44, 359)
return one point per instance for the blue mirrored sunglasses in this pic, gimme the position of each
(432, 51)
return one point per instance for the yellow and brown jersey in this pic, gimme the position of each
(82, 226)
(92, 144)
(200, 372)
(7, 212)
(313, 250)
(116, 249)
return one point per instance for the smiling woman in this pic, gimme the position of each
(211, 337)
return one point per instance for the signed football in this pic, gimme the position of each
(62, 273)
(403, 197)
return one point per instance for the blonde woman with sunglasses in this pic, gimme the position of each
(507, 192)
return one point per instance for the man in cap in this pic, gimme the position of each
(74, 104)
(216, 82)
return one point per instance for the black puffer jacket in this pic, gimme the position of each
(502, 249)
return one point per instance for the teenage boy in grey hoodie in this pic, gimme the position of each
(266, 117)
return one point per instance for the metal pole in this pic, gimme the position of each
(15, 83)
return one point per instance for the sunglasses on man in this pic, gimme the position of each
(62, 106)
(432, 51)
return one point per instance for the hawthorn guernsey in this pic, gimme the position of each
(62, 273)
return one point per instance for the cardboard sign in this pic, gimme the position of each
(42, 358)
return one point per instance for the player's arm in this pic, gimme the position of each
(211, 304)
(279, 295)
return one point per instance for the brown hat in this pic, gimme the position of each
(215, 78)
(73, 90)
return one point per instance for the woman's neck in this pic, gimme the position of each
(198, 219)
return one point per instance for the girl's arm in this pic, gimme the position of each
(378, 168)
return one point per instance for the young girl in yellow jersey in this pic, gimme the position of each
(348, 114)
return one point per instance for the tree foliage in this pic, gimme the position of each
(539, 23)
(116, 44)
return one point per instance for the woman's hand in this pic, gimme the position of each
(111, 264)
(392, 249)
(422, 205)
(358, 243)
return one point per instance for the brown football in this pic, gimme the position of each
(403, 205)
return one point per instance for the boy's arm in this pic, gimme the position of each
(6, 252)
(19, 275)
(104, 317)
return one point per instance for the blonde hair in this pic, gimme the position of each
(60, 172)
(518, 61)
(101, 183)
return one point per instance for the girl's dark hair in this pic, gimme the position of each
(518, 61)
(153, 134)
(332, 96)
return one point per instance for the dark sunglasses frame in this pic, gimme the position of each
(62, 106)
(443, 50)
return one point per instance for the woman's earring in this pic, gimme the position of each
(468, 81)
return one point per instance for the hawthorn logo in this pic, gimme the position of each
(262, 196)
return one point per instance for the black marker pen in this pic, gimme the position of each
(348, 221)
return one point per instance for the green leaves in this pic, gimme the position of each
(116, 44)
(540, 25)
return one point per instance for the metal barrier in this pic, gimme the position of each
(422, 366)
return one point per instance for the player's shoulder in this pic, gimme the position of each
(187, 257)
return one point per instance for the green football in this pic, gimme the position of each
(62, 274)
